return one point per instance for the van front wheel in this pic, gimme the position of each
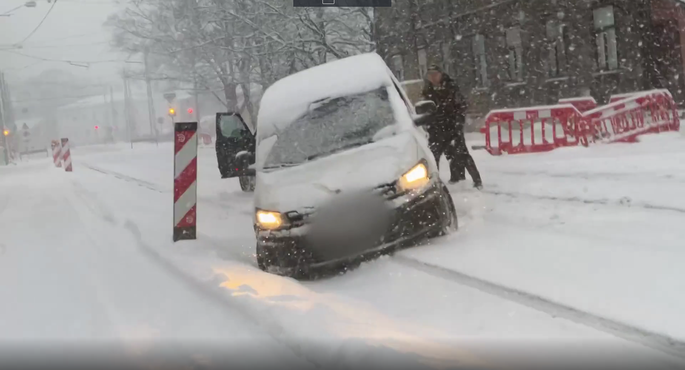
(247, 183)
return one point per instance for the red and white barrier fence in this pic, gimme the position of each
(618, 97)
(583, 103)
(185, 181)
(626, 119)
(57, 153)
(541, 129)
(531, 130)
(66, 155)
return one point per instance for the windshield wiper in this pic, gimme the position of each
(349, 146)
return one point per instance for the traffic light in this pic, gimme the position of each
(97, 127)
(6, 132)
(172, 112)
(190, 110)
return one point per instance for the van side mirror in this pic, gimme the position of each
(427, 107)
(424, 112)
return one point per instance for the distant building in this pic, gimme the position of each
(97, 119)
(31, 136)
(514, 53)
(79, 120)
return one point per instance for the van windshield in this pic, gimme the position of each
(330, 126)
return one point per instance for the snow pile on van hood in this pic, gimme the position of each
(290, 97)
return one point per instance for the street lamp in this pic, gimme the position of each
(28, 4)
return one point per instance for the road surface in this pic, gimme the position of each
(575, 252)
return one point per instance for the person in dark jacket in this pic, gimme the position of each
(446, 131)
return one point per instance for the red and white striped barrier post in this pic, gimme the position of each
(66, 155)
(185, 181)
(57, 153)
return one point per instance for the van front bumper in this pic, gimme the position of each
(412, 218)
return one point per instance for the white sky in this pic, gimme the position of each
(73, 31)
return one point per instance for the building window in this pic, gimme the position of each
(446, 57)
(480, 61)
(423, 62)
(398, 67)
(605, 35)
(557, 49)
(515, 54)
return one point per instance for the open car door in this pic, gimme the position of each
(235, 145)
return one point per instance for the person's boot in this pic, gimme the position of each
(457, 172)
(454, 179)
(478, 185)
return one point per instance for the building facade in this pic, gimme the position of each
(516, 53)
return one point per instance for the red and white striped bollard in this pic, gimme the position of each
(66, 155)
(185, 181)
(57, 153)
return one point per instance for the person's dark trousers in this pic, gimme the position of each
(461, 160)
(439, 144)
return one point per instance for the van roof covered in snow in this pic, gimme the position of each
(290, 97)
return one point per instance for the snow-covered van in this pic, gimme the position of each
(342, 170)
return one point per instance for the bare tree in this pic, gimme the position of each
(233, 48)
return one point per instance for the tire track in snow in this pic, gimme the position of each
(4, 202)
(218, 246)
(134, 180)
(206, 291)
(159, 189)
(213, 244)
(612, 176)
(216, 294)
(625, 202)
(647, 338)
(104, 314)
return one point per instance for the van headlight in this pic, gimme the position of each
(269, 220)
(415, 178)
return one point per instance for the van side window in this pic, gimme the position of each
(399, 91)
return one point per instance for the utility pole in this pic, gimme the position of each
(113, 114)
(150, 104)
(197, 103)
(127, 110)
(3, 119)
(106, 118)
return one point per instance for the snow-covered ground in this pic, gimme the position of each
(573, 249)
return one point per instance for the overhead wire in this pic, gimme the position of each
(52, 98)
(39, 24)
(11, 10)
(73, 62)
(62, 46)
(23, 67)
(40, 42)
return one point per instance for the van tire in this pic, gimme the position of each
(247, 183)
(452, 220)
(262, 261)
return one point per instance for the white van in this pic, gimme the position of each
(342, 170)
